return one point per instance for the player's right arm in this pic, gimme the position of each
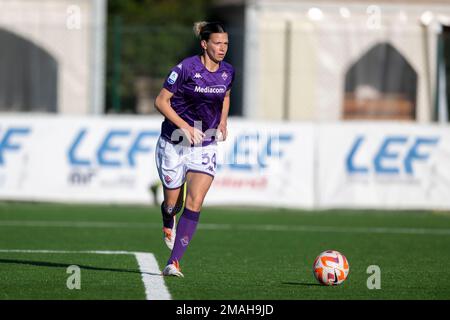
(162, 104)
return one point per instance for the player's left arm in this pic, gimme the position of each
(224, 117)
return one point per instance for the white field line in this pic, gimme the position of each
(210, 226)
(155, 288)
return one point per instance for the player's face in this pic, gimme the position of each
(217, 46)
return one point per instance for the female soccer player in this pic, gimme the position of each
(195, 100)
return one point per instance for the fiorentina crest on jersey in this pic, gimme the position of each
(224, 76)
(167, 179)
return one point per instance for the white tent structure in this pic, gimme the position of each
(56, 49)
(325, 60)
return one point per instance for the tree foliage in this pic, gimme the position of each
(145, 39)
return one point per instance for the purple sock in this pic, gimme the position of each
(167, 216)
(187, 224)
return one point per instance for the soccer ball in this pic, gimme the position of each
(331, 268)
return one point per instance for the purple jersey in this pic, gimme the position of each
(198, 94)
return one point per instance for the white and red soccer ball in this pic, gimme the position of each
(331, 268)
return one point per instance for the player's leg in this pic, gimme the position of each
(169, 209)
(198, 184)
(173, 203)
(170, 205)
(170, 170)
(173, 200)
(200, 171)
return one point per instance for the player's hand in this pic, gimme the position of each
(222, 128)
(194, 135)
(197, 135)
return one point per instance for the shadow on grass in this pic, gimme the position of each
(292, 283)
(66, 265)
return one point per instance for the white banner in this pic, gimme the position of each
(111, 160)
(78, 159)
(383, 165)
(267, 164)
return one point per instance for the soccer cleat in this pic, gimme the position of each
(173, 269)
(169, 234)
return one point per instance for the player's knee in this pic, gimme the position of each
(194, 202)
(195, 207)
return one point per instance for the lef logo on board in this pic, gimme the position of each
(252, 151)
(11, 141)
(395, 155)
(116, 149)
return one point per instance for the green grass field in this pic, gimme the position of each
(235, 254)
